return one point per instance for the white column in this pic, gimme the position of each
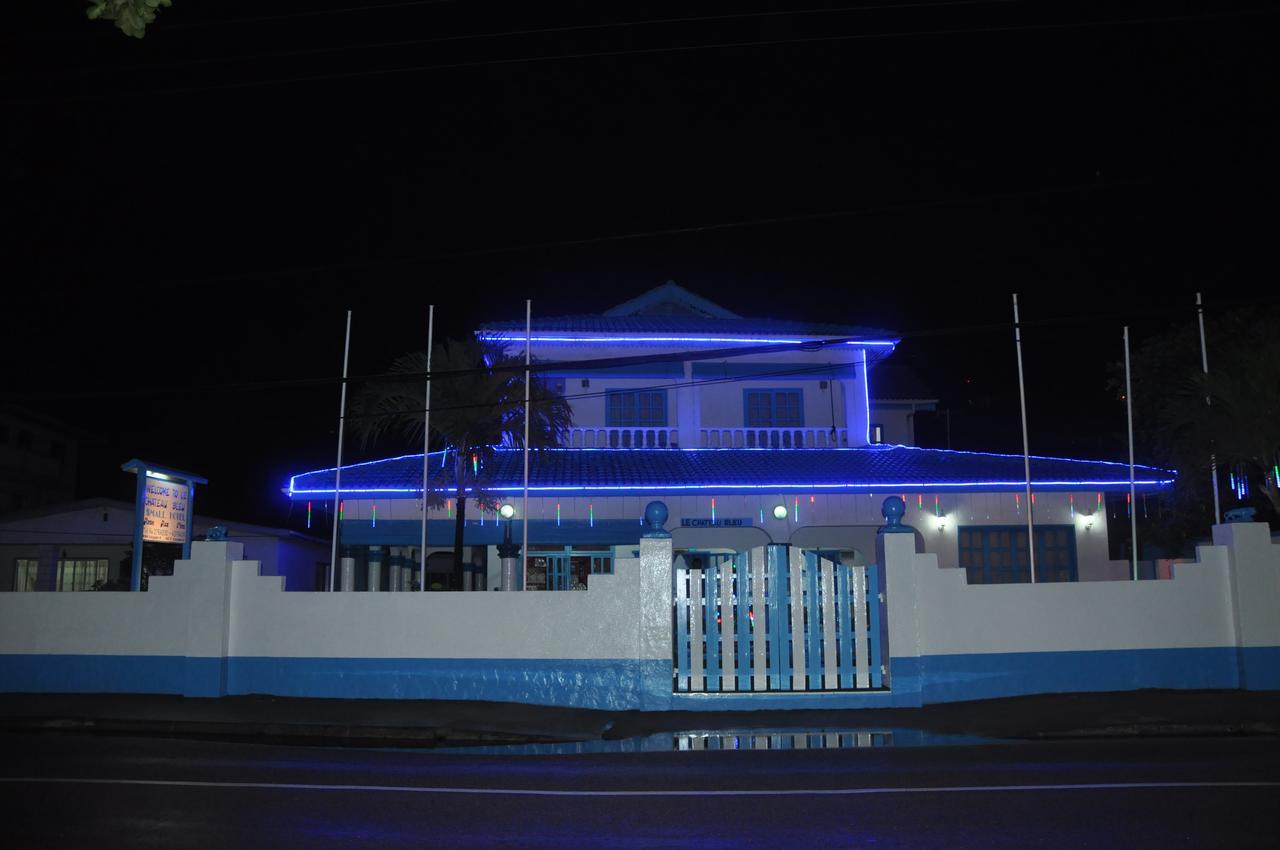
(688, 411)
(348, 574)
(393, 574)
(655, 616)
(375, 568)
(854, 391)
(1253, 562)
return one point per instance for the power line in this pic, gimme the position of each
(545, 366)
(676, 356)
(557, 30)
(652, 51)
(669, 231)
(310, 13)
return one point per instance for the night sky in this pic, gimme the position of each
(188, 217)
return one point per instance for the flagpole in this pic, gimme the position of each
(1133, 502)
(337, 480)
(1026, 448)
(1213, 455)
(426, 444)
(524, 510)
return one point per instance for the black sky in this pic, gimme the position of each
(229, 186)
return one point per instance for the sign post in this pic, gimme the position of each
(163, 510)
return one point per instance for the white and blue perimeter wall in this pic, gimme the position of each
(217, 627)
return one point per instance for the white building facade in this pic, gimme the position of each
(752, 432)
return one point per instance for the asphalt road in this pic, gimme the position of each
(69, 791)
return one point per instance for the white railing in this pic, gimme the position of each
(622, 438)
(592, 437)
(774, 438)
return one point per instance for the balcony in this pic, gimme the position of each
(774, 438)
(708, 438)
(622, 438)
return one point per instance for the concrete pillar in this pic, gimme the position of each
(1254, 580)
(203, 585)
(688, 411)
(655, 615)
(375, 569)
(393, 571)
(348, 565)
(855, 407)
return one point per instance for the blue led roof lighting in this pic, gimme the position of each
(736, 340)
(651, 471)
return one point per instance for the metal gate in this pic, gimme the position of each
(777, 619)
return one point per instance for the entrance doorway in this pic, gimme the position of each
(565, 567)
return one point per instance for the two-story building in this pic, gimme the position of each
(752, 431)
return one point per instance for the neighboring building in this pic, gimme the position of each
(771, 446)
(85, 545)
(37, 459)
(897, 395)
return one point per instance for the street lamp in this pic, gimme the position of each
(779, 511)
(508, 551)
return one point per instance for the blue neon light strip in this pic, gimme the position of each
(294, 490)
(866, 399)
(500, 337)
(873, 486)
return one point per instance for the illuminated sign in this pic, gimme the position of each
(721, 522)
(164, 516)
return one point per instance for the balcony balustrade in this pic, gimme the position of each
(774, 438)
(622, 438)
(708, 438)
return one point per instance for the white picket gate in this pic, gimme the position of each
(777, 619)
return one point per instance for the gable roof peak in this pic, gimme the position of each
(671, 299)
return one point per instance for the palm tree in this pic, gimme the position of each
(477, 405)
(1241, 427)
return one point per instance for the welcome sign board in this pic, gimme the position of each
(164, 517)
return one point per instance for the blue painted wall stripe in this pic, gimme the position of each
(623, 684)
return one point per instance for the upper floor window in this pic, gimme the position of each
(774, 408)
(636, 408)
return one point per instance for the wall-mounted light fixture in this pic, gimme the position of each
(779, 511)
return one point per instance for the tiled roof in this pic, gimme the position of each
(658, 471)
(654, 324)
